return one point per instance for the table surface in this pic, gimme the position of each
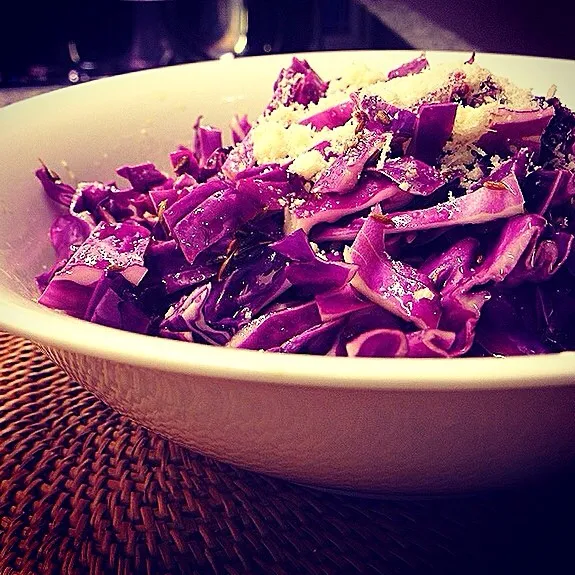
(85, 490)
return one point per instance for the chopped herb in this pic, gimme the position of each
(383, 218)
(495, 185)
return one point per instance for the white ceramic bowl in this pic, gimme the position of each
(369, 425)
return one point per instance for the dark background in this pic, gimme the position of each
(71, 40)
(35, 39)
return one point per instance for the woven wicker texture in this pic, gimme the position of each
(85, 490)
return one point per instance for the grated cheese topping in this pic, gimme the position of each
(276, 143)
(354, 77)
(279, 136)
(308, 164)
(407, 91)
(385, 149)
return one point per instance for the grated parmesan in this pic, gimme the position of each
(274, 142)
(385, 149)
(407, 91)
(308, 164)
(279, 136)
(354, 77)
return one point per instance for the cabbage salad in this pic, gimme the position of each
(424, 212)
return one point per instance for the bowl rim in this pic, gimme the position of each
(54, 329)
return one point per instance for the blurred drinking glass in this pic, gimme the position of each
(118, 36)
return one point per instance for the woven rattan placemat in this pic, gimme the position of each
(85, 490)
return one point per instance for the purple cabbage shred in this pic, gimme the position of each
(385, 251)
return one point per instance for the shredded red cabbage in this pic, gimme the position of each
(389, 249)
